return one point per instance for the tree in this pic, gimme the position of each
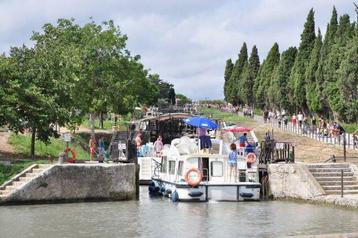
(311, 82)
(263, 81)
(71, 71)
(228, 71)
(182, 99)
(283, 99)
(234, 90)
(303, 56)
(323, 106)
(249, 75)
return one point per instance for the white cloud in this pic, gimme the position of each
(187, 42)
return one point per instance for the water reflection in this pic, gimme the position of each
(161, 218)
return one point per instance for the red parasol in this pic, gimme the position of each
(238, 129)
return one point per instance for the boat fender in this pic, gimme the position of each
(195, 193)
(246, 195)
(175, 196)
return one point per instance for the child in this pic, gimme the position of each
(232, 161)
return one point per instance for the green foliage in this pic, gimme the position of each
(249, 75)
(71, 71)
(234, 86)
(182, 99)
(8, 171)
(320, 77)
(228, 71)
(311, 82)
(262, 86)
(281, 77)
(297, 79)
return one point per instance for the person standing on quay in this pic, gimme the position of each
(92, 146)
(300, 119)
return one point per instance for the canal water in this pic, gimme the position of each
(161, 218)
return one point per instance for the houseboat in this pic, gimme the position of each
(187, 173)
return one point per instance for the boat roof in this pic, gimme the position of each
(166, 116)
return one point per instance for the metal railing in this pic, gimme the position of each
(348, 139)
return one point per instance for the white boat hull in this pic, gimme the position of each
(242, 191)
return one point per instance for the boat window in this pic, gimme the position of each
(164, 165)
(180, 167)
(216, 168)
(171, 167)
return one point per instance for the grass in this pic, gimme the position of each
(107, 124)
(225, 116)
(8, 171)
(22, 145)
(350, 128)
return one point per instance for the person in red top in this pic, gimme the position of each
(294, 120)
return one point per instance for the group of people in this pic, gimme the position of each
(313, 124)
(99, 152)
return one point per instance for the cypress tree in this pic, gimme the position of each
(250, 76)
(336, 56)
(228, 71)
(302, 59)
(348, 104)
(263, 80)
(236, 73)
(311, 82)
(281, 80)
(323, 106)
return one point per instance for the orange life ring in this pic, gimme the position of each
(193, 181)
(251, 158)
(73, 158)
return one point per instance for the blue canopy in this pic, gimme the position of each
(201, 122)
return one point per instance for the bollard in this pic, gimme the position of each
(341, 183)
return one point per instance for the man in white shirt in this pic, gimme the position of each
(300, 119)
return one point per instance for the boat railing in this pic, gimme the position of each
(157, 168)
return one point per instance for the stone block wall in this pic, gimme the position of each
(293, 181)
(73, 182)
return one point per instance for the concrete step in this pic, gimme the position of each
(31, 175)
(313, 170)
(37, 171)
(336, 178)
(328, 165)
(334, 192)
(337, 183)
(331, 174)
(45, 166)
(25, 179)
(348, 187)
(9, 188)
(17, 183)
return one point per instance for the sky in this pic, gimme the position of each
(186, 42)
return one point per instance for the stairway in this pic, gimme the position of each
(329, 177)
(22, 178)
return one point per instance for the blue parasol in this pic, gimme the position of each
(201, 122)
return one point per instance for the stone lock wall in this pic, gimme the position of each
(80, 182)
(293, 181)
